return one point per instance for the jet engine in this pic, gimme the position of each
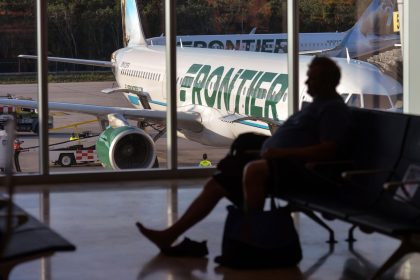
(125, 147)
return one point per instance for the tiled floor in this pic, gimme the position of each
(101, 225)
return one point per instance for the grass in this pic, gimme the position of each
(57, 78)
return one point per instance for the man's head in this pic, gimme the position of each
(204, 156)
(323, 77)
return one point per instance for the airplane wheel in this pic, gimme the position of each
(66, 160)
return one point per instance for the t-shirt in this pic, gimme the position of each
(323, 119)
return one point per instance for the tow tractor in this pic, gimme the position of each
(75, 154)
(79, 149)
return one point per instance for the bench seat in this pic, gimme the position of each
(385, 147)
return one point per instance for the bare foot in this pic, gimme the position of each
(158, 237)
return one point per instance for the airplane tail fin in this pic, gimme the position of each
(372, 32)
(377, 18)
(133, 34)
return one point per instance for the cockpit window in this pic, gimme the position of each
(397, 100)
(374, 101)
(354, 100)
(344, 96)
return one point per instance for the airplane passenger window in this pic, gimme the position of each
(354, 101)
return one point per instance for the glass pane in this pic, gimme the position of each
(18, 80)
(363, 38)
(91, 31)
(230, 77)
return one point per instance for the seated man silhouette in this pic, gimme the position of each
(318, 132)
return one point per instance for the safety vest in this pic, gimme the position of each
(205, 163)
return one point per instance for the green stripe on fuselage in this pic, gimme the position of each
(256, 93)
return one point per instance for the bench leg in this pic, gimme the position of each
(406, 247)
(350, 237)
(320, 222)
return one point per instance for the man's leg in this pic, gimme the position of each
(198, 210)
(254, 181)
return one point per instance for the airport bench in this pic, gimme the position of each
(377, 189)
(29, 239)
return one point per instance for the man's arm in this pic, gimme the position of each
(326, 150)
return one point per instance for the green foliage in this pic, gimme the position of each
(194, 17)
(84, 28)
(91, 29)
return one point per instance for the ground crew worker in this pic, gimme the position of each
(17, 149)
(205, 162)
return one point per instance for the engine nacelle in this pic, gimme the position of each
(125, 147)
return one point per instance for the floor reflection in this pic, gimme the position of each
(359, 267)
(163, 267)
(174, 268)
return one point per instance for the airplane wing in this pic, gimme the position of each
(99, 63)
(186, 120)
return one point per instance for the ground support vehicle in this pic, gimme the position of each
(80, 151)
(70, 153)
(26, 119)
(73, 155)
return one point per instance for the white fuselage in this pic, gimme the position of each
(270, 43)
(218, 83)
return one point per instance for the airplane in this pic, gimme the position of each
(220, 94)
(371, 33)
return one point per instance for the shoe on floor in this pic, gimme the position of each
(187, 248)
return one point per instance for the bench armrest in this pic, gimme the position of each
(394, 185)
(329, 171)
(365, 172)
(406, 196)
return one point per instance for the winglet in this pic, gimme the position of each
(348, 56)
(132, 28)
(253, 30)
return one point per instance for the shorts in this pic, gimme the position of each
(285, 175)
